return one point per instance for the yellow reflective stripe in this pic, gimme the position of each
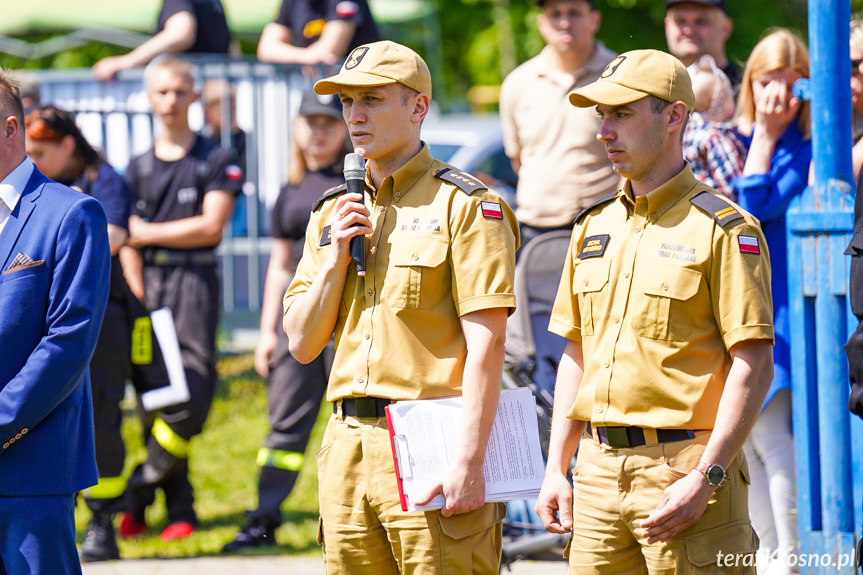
(107, 488)
(290, 460)
(167, 438)
(142, 341)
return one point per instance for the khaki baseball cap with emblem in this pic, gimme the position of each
(379, 64)
(635, 75)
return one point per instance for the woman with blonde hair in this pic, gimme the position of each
(295, 390)
(775, 126)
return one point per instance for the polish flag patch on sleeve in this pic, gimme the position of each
(347, 9)
(492, 210)
(749, 245)
(233, 172)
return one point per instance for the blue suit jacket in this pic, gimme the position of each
(54, 270)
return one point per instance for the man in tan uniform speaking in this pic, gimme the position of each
(426, 321)
(665, 301)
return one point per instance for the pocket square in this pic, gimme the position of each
(22, 262)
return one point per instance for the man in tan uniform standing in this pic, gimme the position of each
(561, 167)
(665, 301)
(426, 321)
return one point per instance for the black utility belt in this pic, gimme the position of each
(621, 437)
(368, 407)
(163, 257)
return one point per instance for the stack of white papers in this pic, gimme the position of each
(426, 438)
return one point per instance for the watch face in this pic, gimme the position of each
(715, 475)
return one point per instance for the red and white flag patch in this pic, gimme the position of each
(492, 210)
(749, 244)
(347, 9)
(233, 172)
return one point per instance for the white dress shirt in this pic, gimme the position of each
(11, 189)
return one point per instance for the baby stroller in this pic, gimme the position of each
(532, 355)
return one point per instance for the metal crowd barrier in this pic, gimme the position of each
(115, 117)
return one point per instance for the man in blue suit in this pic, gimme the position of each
(54, 268)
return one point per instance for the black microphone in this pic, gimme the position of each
(355, 176)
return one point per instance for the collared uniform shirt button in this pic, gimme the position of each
(398, 194)
(24, 431)
(605, 363)
(616, 319)
(598, 410)
(361, 380)
(5, 446)
(415, 257)
(369, 293)
(626, 274)
(664, 286)
(637, 229)
(586, 282)
(382, 209)
(18, 436)
(368, 336)
(373, 249)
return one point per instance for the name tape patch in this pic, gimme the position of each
(593, 246)
(749, 245)
(492, 210)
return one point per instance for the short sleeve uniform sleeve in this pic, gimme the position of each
(287, 14)
(511, 143)
(345, 10)
(740, 284)
(313, 255)
(115, 196)
(223, 173)
(565, 315)
(172, 7)
(484, 239)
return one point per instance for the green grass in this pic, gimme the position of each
(224, 475)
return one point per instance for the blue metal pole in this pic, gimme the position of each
(831, 90)
(831, 151)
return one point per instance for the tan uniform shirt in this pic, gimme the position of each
(564, 169)
(657, 291)
(437, 253)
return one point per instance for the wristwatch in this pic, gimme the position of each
(715, 474)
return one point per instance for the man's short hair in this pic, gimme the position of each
(172, 63)
(10, 98)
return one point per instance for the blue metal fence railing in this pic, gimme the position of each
(115, 117)
(828, 439)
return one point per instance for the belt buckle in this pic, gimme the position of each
(617, 436)
(366, 408)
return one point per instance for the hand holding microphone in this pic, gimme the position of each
(355, 173)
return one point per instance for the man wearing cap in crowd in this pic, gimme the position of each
(665, 301)
(426, 321)
(694, 28)
(561, 167)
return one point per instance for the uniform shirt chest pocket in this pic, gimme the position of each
(588, 282)
(664, 309)
(418, 277)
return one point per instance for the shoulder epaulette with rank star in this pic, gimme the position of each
(465, 182)
(597, 203)
(721, 210)
(329, 194)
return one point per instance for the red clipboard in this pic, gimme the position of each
(402, 499)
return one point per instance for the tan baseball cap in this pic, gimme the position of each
(635, 75)
(378, 64)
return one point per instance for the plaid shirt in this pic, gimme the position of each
(715, 152)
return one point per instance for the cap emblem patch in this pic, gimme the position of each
(356, 57)
(612, 67)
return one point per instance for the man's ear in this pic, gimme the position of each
(421, 105)
(677, 116)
